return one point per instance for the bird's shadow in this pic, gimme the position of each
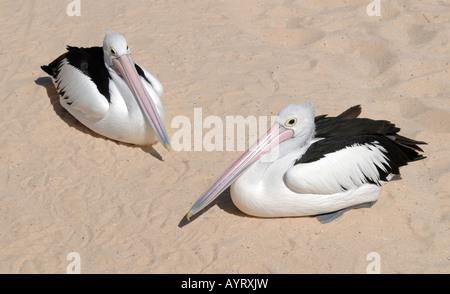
(53, 95)
(223, 201)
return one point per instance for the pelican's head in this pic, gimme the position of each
(114, 46)
(117, 57)
(299, 118)
(294, 123)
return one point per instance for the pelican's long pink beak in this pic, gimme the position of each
(272, 138)
(125, 67)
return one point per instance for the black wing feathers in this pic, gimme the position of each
(141, 73)
(347, 129)
(89, 61)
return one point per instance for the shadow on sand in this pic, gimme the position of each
(223, 201)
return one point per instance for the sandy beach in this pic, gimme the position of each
(121, 207)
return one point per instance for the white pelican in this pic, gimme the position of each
(321, 166)
(106, 91)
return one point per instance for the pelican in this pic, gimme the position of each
(314, 166)
(110, 94)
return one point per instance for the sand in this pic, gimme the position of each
(66, 189)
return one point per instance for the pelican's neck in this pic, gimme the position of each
(289, 146)
(280, 158)
(126, 94)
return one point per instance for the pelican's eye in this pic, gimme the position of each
(291, 122)
(128, 48)
(113, 51)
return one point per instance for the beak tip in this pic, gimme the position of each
(165, 143)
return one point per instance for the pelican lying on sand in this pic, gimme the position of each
(322, 166)
(107, 92)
